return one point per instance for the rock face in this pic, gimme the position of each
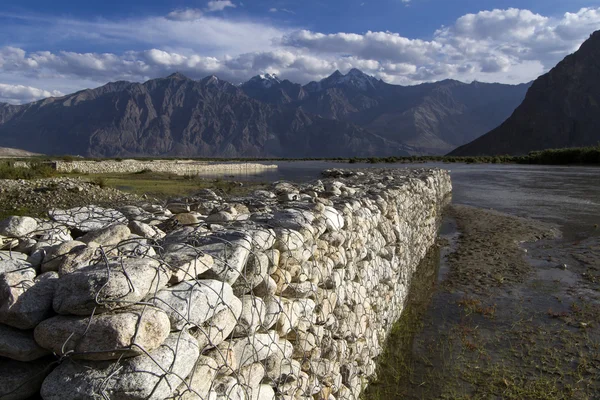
(424, 119)
(561, 109)
(340, 116)
(293, 301)
(208, 118)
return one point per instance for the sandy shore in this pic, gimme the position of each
(513, 314)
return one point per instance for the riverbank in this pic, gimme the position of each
(506, 320)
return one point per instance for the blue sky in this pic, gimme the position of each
(56, 47)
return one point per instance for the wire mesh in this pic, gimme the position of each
(290, 296)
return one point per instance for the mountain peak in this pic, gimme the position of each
(560, 110)
(177, 75)
(264, 80)
(356, 72)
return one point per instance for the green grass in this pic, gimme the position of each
(163, 185)
(8, 170)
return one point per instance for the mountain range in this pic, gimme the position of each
(561, 109)
(340, 116)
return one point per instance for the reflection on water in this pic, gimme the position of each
(568, 196)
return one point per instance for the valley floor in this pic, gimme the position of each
(498, 319)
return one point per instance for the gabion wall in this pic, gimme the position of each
(286, 294)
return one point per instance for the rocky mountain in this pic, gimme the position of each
(561, 109)
(9, 152)
(340, 116)
(177, 116)
(431, 118)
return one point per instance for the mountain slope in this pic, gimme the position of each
(429, 118)
(177, 116)
(561, 109)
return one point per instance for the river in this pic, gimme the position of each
(566, 195)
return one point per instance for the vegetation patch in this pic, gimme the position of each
(495, 328)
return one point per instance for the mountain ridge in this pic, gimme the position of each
(561, 109)
(351, 115)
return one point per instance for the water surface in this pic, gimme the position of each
(566, 195)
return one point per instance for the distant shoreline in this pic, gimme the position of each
(566, 156)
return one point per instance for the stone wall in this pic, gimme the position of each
(287, 294)
(179, 167)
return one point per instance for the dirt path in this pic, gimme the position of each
(503, 323)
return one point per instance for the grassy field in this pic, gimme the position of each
(154, 184)
(163, 185)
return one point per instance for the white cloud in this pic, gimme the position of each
(18, 94)
(188, 14)
(219, 5)
(508, 46)
(273, 10)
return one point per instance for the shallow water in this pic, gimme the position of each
(566, 195)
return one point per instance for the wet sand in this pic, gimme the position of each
(512, 312)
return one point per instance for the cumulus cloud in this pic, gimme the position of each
(18, 94)
(219, 5)
(510, 46)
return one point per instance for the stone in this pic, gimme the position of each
(78, 258)
(25, 244)
(87, 219)
(220, 217)
(279, 362)
(17, 227)
(145, 230)
(190, 303)
(273, 309)
(227, 388)
(230, 251)
(252, 316)
(267, 287)
(105, 336)
(218, 328)
(155, 376)
(197, 385)
(264, 194)
(288, 239)
(186, 262)
(254, 273)
(300, 290)
(52, 232)
(22, 380)
(135, 213)
(273, 255)
(263, 392)
(12, 255)
(26, 300)
(107, 236)
(334, 220)
(294, 311)
(187, 219)
(178, 208)
(237, 353)
(282, 279)
(262, 239)
(7, 243)
(104, 287)
(13, 265)
(56, 254)
(19, 345)
(134, 246)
